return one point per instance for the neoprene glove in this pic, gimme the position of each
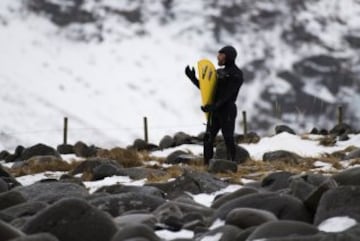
(190, 73)
(208, 108)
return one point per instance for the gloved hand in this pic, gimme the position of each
(208, 108)
(190, 73)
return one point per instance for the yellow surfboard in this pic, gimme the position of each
(207, 81)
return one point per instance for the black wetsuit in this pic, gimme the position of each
(230, 79)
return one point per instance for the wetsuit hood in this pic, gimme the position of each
(230, 53)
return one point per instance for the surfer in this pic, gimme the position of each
(223, 111)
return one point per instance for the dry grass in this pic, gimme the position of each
(125, 157)
(41, 164)
(171, 172)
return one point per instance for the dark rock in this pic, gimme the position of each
(8, 232)
(77, 223)
(4, 154)
(344, 137)
(139, 218)
(50, 192)
(282, 156)
(222, 166)
(136, 232)
(4, 187)
(16, 156)
(313, 199)
(340, 201)
(241, 154)
(141, 145)
(341, 129)
(166, 142)
(117, 204)
(247, 217)
(24, 209)
(118, 188)
(283, 128)
(181, 138)
(314, 131)
(348, 177)
(281, 229)
(276, 181)
(83, 150)
(285, 207)
(11, 198)
(39, 150)
(175, 157)
(219, 201)
(90, 164)
(105, 170)
(191, 181)
(353, 154)
(8, 178)
(302, 185)
(324, 132)
(226, 232)
(37, 237)
(140, 172)
(65, 149)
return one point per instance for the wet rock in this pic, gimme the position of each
(224, 198)
(119, 188)
(39, 150)
(76, 223)
(37, 237)
(349, 176)
(11, 198)
(50, 192)
(284, 206)
(282, 156)
(8, 232)
(276, 181)
(191, 181)
(222, 166)
(338, 202)
(247, 217)
(65, 149)
(283, 128)
(241, 154)
(138, 218)
(280, 229)
(166, 142)
(117, 204)
(136, 232)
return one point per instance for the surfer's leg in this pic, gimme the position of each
(227, 129)
(212, 129)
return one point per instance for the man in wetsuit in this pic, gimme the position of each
(223, 111)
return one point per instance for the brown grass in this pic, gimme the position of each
(125, 157)
(171, 172)
(41, 164)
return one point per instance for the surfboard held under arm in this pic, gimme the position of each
(207, 81)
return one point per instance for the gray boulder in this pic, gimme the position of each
(73, 219)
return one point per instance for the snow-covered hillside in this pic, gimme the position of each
(107, 64)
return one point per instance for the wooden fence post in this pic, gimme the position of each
(65, 130)
(340, 113)
(245, 124)
(146, 133)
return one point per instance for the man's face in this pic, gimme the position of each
(221, 59)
